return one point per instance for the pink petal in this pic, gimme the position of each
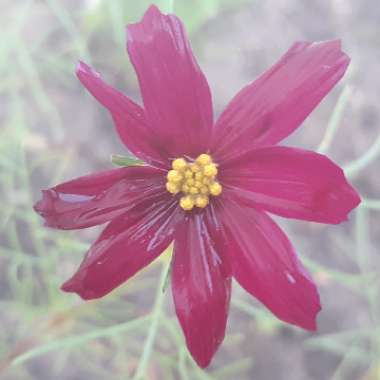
(291, 182)
(128, 244)
(176, 95)
(275, 104)
(265, 265)
(97, 198)
(129, 118)
(201, 286)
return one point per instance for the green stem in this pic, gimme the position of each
(356, 166)
(76, 340)
(364, 262)
(335, 119)
(171, 6)
(152, 332)
(373, 204)
(65, 18)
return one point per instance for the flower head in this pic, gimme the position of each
(207, 186)
(196, 181)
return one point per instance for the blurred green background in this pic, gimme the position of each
(51, 130)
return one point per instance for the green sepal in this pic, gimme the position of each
(120, 160)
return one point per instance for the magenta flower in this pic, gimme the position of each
(207, 186)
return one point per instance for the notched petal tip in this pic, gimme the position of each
(44, 206)
(73, 285)
(153, 10)
(306, 313)
(335, 47)
(354, 201)
(310, 321)
(38, 207)
(153, 18)
(68, 286)
(333, 205)
(152, 13)
(83, 68)
(330, 50)
(343, 199)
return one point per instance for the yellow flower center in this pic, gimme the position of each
(195, 180)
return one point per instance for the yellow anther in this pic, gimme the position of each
(215, 188)
(199, 176)
(179, 164)
(203, 159)
(172, 187)
(195, 168)
(174, 176)
(201, 201)
(210, 170)
(187, 203)
(195, 180)
(188, 174)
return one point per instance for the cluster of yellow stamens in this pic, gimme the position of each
(195, 180)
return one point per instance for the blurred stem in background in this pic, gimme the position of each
(156, 315)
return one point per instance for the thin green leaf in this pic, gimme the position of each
(75, 341)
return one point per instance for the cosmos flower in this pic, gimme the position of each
(208, 186)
